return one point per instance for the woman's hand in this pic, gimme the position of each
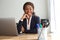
(22, 29)
(25, 16)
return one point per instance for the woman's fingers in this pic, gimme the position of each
(25, 16)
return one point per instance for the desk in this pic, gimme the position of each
(20, 37)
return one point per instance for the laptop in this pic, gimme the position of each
(8, 26)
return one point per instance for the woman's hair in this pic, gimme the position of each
(28, 3)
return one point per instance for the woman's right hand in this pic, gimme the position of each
(24, 16)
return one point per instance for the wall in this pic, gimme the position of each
(14, 8)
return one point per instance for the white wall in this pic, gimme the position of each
(51, 15)
(14, 8)
(56, 35)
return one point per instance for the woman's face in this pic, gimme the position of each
(29, 10)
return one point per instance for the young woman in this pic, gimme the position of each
(28, 22)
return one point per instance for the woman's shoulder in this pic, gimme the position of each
(35, 16)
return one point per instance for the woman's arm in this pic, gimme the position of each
(19, 26)
(37, 20)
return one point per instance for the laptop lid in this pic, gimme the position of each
(8, 26)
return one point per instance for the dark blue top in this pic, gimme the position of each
(33, 28)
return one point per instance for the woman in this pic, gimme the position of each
(28, 22)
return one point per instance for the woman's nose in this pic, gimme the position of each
(29, 10)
